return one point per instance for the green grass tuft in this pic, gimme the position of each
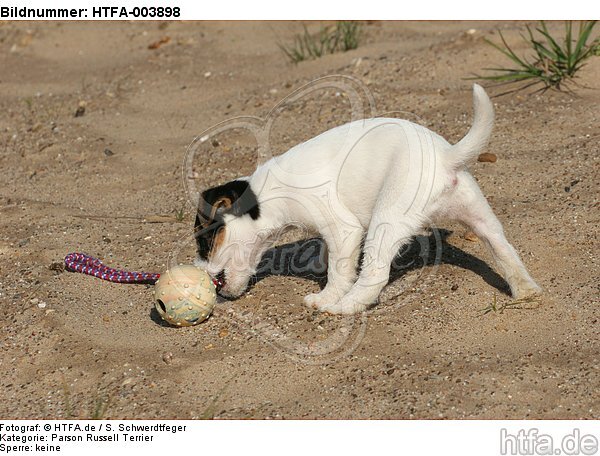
(532, 302)
(342, 37)
(554, 61)
(99, 405)
(180, 214)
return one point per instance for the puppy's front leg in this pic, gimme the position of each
(343, 247)
(384, 239)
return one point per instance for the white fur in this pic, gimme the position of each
(381, 180)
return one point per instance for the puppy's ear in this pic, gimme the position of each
(220, 206)
(235, 197)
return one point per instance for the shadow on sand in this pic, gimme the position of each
(307, 259)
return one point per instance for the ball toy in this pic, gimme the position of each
(185, 295)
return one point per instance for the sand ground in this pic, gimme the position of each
(110, 183)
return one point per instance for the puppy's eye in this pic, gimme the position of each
(208, 238)
(217, 240)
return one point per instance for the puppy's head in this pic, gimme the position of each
(228, 239)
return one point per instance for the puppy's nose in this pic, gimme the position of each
(219, 280)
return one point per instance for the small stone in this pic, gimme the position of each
(487, 157)
(223, 333)
(42, 305)
(57, 266)
(108, 152)
(470, 236)
(159, 43)
(167, 357)
(80, 111)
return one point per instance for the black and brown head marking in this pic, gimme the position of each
(236, 198)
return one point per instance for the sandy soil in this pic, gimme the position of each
(76, 346)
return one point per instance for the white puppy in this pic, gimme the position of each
(378, 180)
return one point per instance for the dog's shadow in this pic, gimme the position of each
(307, 259)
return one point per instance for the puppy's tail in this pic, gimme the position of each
(468, 148)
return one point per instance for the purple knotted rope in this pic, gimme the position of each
(80, 262)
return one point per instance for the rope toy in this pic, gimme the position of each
(185, 296)
(80, 262)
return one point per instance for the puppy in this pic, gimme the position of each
(378, 181)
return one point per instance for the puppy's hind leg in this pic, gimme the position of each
(469, 206)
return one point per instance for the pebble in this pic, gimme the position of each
(470, 236)
(57, 266)
(487, 157)
(80, 111)
(167, 357)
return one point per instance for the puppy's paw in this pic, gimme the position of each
(528, 290)
(345, 306)
(322, 300)
(348, 304)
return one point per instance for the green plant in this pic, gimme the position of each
(554, 61)
(67, 400)
(211, 409)
(99, 405)
(531, 302)
(342, 37)
(180, 214)
(348, 34)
